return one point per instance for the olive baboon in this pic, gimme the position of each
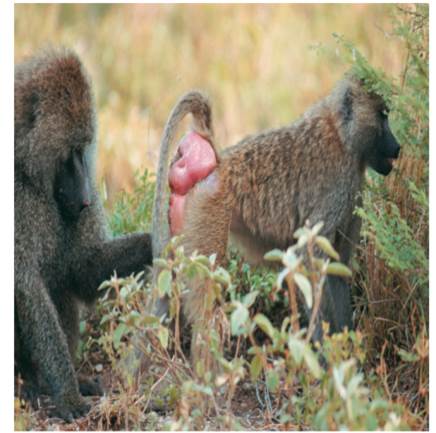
(269, 184)
(62, 249)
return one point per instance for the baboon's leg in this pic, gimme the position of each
(206, 230)
(339, 288)
(44, 339)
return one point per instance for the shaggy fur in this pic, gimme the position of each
(58, 262)
(269, 184)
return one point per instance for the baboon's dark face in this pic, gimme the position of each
(72, 185)
(385, 147)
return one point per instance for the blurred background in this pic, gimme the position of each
(262, 65)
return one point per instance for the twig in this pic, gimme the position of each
(293, 303)
(153, 387)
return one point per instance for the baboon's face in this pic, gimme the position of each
(72, 185)
(380, 147)
(385, 147)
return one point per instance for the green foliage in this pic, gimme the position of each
(394, 259)
(334, 397)
(132, 212)
(395, 239)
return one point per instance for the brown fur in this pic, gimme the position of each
(269, 184)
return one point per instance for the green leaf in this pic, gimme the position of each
(378, 404)
(106, 318)
(207, 390)
(255, 367)
(353, 384)
(264, 324)
(249, 298)
(120, 330)
(82, 326)
(163, 335)
(281, 276)
(274, 255)
(133, 318)
(325, 245)
(150, 320)
(160, 263)
(296, 348)
(200, 368)
(317, 227)
(371, 423)
(124, 292)
(302, 231)
(203, 260)
(104, 285)
(312, 362)
(272, 380)
(306, 288)
(222, 276)
(164, 283)
(202, 269)
(339, 269)
(238, 318)
(212, 259)
(290, 259)
(407, 356)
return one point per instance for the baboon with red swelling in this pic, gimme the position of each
(269, 184)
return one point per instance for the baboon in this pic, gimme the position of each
(62, 247)
(269, 184)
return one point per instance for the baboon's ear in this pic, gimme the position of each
(347, 104)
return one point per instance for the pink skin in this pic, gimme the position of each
(197, 160)
(176, 212)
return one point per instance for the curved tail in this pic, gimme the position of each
(196, 103)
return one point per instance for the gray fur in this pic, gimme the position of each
(58, 263)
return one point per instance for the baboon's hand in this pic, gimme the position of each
(69, 407)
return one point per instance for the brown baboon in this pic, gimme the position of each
(269, 184)
(62, 248)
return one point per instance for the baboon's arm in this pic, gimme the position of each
(124, 255)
